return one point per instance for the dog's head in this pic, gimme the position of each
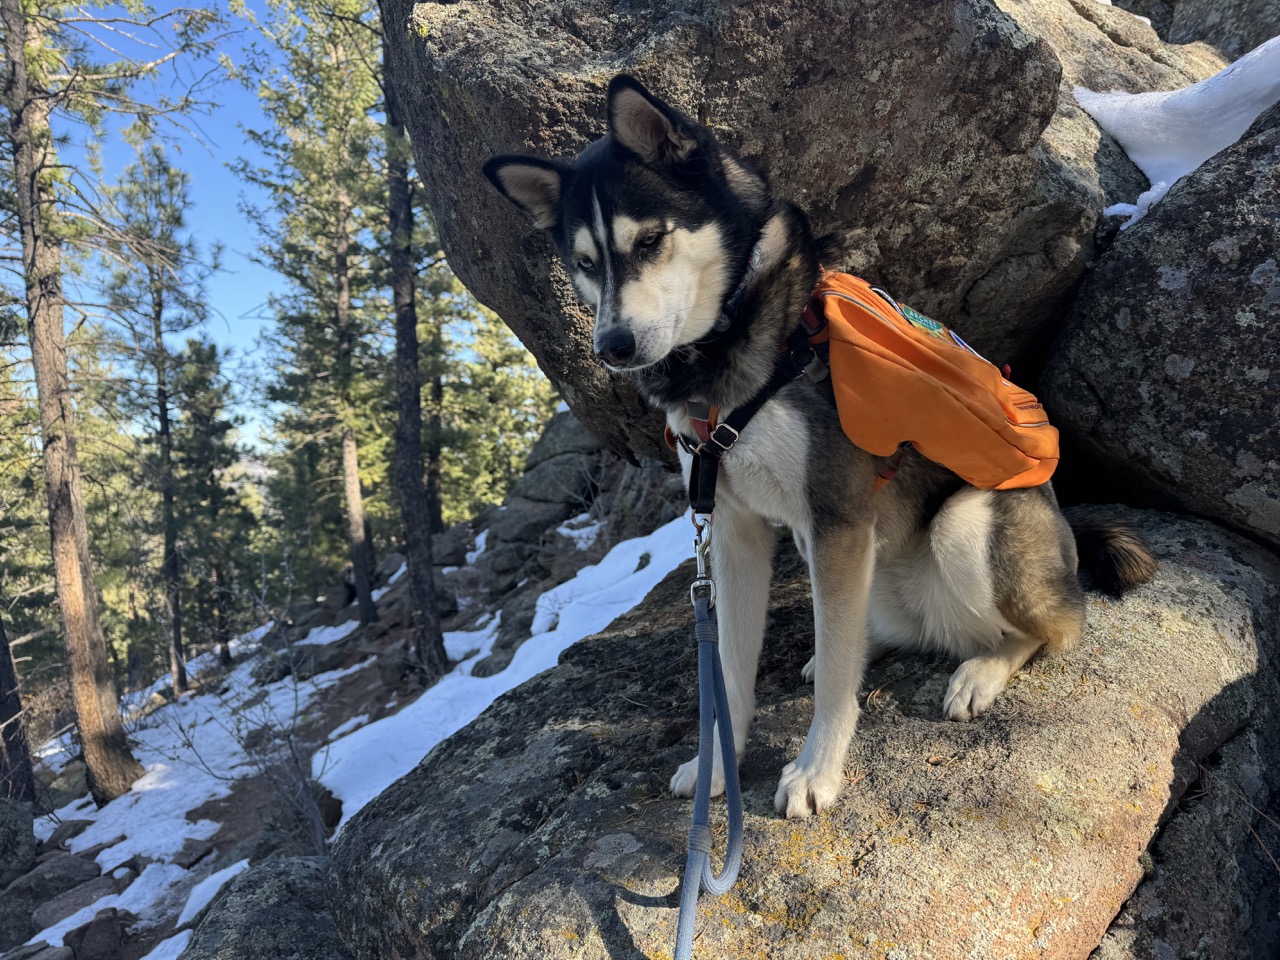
(655, 223)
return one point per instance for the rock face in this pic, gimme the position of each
(932, 137)
(272, 911)
(50, 878)
(17, 841)
(1169, 368)
(1021, 834)
(1233, 26)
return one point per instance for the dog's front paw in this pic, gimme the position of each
(685, 780)
(807, 671)
(802, 791)
(974, 688)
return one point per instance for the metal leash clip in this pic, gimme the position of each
(702, 583)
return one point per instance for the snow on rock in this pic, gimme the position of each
(342, 729)
(1167, 134)
(150, 898)
(582, 530)
(202, 893)
(320, 636)
(382, 591)
(190, 751)
(358, 767)
(474, 555)
(170, 949)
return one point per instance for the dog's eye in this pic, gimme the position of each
(585, 264)
(649, 239)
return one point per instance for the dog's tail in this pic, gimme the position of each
(1111, 550)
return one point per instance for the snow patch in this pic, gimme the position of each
(473, 555)
(172, 948)
(1167, 134)
(202, 893)
(382, 591)
(147, 898)
(582, 530)
(359, 766)
(322, 636)
(342, 729)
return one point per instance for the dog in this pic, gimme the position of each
(697, 273)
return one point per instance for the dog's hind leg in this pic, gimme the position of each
(1038, 598)
(979, 680)
(840, 567)
(741, 563)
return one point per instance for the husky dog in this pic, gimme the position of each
(697, 273)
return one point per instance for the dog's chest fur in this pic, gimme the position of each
(767, 471)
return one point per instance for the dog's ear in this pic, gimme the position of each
(531, 184)
(645, 125)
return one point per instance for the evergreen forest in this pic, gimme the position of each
(173, 472)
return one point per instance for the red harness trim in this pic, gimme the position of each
(704, 427)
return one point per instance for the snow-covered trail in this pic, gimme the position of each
(360, 765)
(193, 751)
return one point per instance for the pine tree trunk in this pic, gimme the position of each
(415, 506)
(435, 453)
(16, 779)
(170, 567)
(362, 560)
(357, 531)
(220, 632)
(111, 767)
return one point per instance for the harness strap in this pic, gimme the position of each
(797, 356)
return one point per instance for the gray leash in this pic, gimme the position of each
(713, 705)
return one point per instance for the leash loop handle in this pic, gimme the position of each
(713, 719)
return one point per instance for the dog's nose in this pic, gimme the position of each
(616, 346)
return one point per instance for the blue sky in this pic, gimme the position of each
(238, 293)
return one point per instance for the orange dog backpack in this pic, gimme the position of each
(900, 377)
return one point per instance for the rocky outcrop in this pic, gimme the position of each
(53, 876)
(1168, 368)
(272, 911)
(933, 138)
(39, 951)
(76, 899)
(102, 938)
(1233, 26)
(1020, 834)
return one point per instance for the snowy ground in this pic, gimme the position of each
(359, 766)
(193, 751)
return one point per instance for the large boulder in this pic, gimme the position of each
(1021, 834)
(272, 911)
(1169, 367)
(933, 138)
(54, 875)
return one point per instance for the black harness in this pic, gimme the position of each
(797, 357)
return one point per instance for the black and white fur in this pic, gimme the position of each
(696, 273)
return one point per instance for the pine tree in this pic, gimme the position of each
(420, 511)
(495, 401)
(215, 520)
(321, 184)
(47, 67)
(157, 290)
